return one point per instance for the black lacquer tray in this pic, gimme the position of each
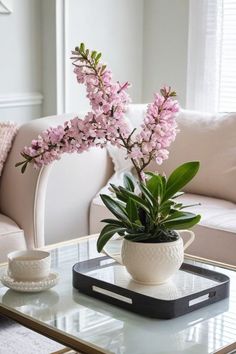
(191, 288)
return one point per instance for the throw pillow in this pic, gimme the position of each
(7, 134)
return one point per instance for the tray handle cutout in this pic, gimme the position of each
(201, 298)
(112, 294)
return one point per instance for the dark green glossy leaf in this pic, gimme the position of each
(154, 185)
(107, 232)
(114, 222)
(119, 194)
(182, 223)
(180, 177)
(165, 208)
(178, 214)
(115, 207)
(128, 183)
(138, 200)
(148, 195)
(132, 211)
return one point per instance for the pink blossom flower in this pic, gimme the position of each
(106, 122)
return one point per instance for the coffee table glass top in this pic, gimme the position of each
(116, 330)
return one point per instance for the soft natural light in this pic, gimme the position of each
(211, 78)
(227, 89)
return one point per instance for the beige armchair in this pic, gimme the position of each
(21, 198)
(52, 204)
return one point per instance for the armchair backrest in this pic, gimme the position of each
(51, 204)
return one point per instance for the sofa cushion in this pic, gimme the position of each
(210, 139)
(215, 235)
(7, 134)
(11, 237)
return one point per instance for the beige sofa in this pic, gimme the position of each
(210, 139)
(59, 202)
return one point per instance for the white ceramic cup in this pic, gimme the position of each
(30, 265)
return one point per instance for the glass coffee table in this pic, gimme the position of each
(93, 326)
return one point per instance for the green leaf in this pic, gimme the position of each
(128, 183)
(93, 54)
(176, 214)
(179, 206)
(121, 196)
(115, 207)
(182, 222)
(19, 163)
(154, 185)
(113, 222)
(98, 57)
(165, 208)
(148, 195)
(82, 47)
(142, 203)
(132, 210)
(164, 182)
(107, 232)
(180, 177)
(23, 168)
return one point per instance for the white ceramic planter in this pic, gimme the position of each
(153, 263)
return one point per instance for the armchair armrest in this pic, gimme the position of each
(51, 204)
(23, 196)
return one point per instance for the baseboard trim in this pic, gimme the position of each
(22, 99)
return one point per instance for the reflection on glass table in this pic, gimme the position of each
(116, 330)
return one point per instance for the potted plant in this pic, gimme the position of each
(147, 212)
(150, 219)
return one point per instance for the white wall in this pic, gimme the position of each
(49, 57)
(113, 27)
(165, 42)
(143, 41)
(20, 62)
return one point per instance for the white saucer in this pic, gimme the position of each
(28, 286)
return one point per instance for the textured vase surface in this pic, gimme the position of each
(152, 263)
